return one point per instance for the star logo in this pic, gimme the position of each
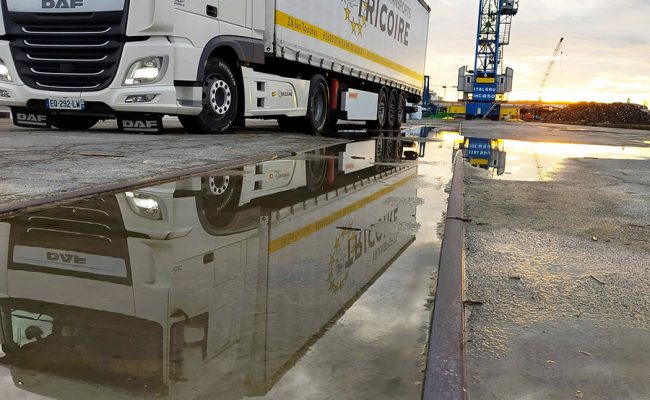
(353, 9)
(348, 12)
(339, 270)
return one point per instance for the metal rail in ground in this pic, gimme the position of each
(445, 372)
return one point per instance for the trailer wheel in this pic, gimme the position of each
(399, 149)
(401, 110)
(73, 122)
(316, 171)
(380, 143)
(390, 150)
(220, 100)
(382, 111)
(391, 119)
(318, 106)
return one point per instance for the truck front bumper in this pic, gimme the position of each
(168, 99)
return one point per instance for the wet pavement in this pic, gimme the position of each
(551, 133)
(557, 264)
(300, 277)
(305, 268)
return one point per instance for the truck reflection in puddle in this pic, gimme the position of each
(488, 154)
(208, 287)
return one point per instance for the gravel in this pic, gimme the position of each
(557, 275)
(601, 114)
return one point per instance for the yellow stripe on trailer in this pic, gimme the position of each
(308, 230)
(295, 24)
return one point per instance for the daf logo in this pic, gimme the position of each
(66, 258)
(40, 119)
(50, 4)
(139, 124)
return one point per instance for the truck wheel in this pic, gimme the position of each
(73, 122)
(401, 110)
(391, 120)
(221, 192)
(382, 108)
(220, 100)
(318, 106)
(220, 198)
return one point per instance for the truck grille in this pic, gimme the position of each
(89, 227)
(68, 51)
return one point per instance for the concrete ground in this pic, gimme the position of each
(557, 133)
(558, 275)
(37, 164)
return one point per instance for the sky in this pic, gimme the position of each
(606, 54)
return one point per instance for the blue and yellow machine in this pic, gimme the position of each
(488, 154)
(488, 83)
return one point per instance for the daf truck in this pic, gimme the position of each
(212, 63)
(109, 299)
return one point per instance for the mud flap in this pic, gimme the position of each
(31, 118)
(140, 123)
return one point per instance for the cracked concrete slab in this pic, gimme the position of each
(38, 164)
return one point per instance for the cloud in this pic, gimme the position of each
(603, 40)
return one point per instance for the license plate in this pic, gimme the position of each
(63, 103)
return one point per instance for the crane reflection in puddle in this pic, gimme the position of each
(488, 154)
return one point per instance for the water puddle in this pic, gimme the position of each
(534, 161)
(295, 278)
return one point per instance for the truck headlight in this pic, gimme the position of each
(145, 205)
(4, 72)
(145, 71)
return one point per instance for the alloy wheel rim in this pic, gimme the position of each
(218, 185)
(220, 97)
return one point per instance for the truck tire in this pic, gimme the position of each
(220, 100)
(221, 192)
(73, 122)
(401, 110)
(220, 198)
(318, 105)
(382, 108)
(391, 118)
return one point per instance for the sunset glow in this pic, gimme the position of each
(604, 59)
